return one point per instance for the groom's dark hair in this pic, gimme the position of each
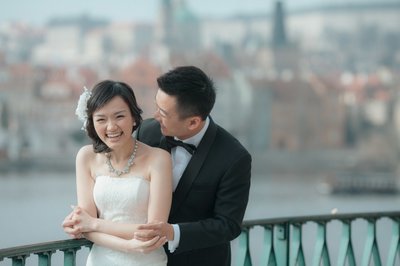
(193, 89)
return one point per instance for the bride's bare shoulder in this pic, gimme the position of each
(86, 152)
(153, 152)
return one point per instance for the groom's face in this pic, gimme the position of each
(168, 117)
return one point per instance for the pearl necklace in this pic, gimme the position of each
(127, 167)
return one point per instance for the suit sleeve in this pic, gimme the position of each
(229, 209)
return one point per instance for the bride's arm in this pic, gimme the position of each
(84, 219)
(160, 187)
(160, 170)
(106, 233)
(84, 223)
(117, 243)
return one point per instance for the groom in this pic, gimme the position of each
(211, 171)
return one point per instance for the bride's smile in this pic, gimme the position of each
(114, 136)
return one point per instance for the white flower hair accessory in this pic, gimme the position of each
(81, 109)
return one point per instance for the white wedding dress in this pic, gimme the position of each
(125, 200)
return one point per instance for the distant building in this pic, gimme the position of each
(297, 115)
(65, 41)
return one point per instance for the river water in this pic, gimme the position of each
(33, 205)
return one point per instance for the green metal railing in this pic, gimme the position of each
(283, 241)
(44, 251)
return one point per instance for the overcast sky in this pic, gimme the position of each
(39, 11)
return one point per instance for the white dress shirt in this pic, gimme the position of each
(180, 159)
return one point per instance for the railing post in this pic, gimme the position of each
(281, 243)
(321, 249)
(45, 258)
(394, 244)
(346, 246)
(244, 249)
(296, 255)
(268, 257)
(70, 256)
(371, 245)
(19, 260)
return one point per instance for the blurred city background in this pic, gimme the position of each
(311, 88)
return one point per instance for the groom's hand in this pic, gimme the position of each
(147, 231)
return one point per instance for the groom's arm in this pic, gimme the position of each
(224, 226)
(230, 206)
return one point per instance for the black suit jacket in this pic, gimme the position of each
(211, 197)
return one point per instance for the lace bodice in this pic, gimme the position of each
(124, 200)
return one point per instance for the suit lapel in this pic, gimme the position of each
(193, 167)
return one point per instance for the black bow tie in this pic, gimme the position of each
(171, 143)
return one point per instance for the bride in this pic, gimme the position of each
(121, 182)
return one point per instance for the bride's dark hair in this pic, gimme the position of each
(102, 93)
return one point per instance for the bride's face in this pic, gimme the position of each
(113, 123)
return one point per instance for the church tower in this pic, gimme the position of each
(285, 53)
(279, 30)
(178, 28)
(166, 24)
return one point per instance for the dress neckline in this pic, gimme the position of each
(124, 177)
